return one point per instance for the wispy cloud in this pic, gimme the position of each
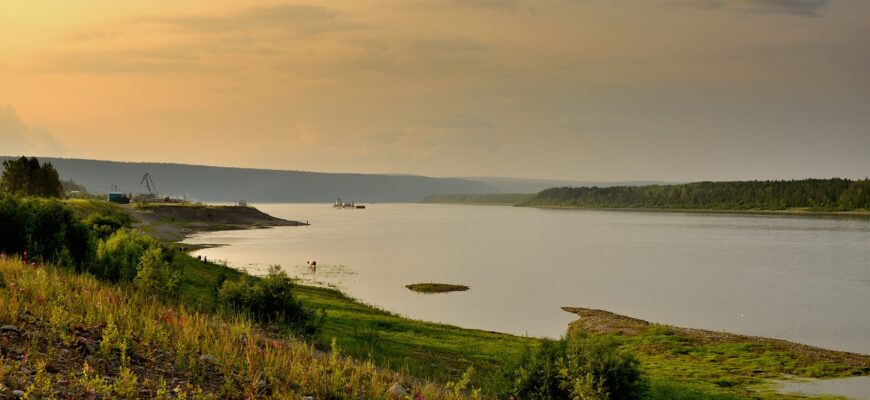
(460, 121)
(17, 138)
(198, 42)
(497, 5)
(284, 18)
(804, 8)
(591, 122)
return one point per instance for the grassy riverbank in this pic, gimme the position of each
(677, 364)
(791, 212)
(680, 363)
(695, 360)
(67, 335)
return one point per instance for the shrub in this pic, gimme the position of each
(536, 375)
(579, 367)
(595, 368)
(16, 220)
(47, 230)
(119, 255)
(156, 276)
(104, 225)
(268, 299)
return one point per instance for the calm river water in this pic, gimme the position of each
(801, 279)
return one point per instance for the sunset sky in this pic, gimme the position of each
(672, 90)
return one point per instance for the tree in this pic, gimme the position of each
(27, 177)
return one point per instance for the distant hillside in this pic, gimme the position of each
(811, 194)
(220, 184)
(509, 199)
(521, 185)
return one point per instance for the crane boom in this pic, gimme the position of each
(149, 183)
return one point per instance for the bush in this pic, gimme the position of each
(119, 255)
(579, 367)
(537, 375)
(156, 276)
(595, 368)
(268, 299)
(104, 225)
(47, 230)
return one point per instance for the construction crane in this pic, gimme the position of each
(149, 183)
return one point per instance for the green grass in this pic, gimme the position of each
(83, 208)
(424, 349)
(141, 343)
(200, 280)
(725, 368)
(436, 287)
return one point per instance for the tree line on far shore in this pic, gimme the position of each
(833, 194)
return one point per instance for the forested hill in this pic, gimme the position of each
(219, 184)
(812, 194)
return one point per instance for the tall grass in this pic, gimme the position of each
(58, 304)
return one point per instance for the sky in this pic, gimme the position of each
(670, 90)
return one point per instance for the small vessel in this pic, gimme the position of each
(339, 204)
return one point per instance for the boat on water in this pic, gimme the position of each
(339, 204)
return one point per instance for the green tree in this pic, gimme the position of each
(27, 177)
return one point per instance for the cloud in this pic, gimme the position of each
(594, 122)
(303, 20)
(495, 5)
(460, 121)
(804, 8)
(17, 138)
(219, 42)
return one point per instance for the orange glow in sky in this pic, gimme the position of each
(594, 90)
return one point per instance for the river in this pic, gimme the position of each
(795, 278)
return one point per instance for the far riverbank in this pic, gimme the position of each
(778, 213)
